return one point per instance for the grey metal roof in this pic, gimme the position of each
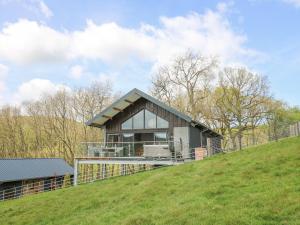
(23, 168)
(132, 96)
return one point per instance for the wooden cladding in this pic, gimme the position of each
(114, 125)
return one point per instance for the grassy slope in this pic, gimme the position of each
(255, 186)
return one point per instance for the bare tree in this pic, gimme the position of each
(243, 92)
(57, 122)
(89, 101)
(276, 118)
(189, 76)
(216, 115)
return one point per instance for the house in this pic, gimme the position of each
(138, 125)
(22, 176)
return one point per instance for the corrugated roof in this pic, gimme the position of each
(132, 96)
(23, 168)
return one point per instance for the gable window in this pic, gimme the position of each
(161, 123)
(150, 120)
(144, 120)
(127, 124)
(138, 120)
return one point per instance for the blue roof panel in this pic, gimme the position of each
(23, 168)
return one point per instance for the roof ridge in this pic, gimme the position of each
(146, 96)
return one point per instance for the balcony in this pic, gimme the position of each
(139, 150)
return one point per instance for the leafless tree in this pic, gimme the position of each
(188, 77)
(243, 94)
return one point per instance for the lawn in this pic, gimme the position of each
(259, 185)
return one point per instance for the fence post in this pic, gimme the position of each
(15, 194)
(75, 171)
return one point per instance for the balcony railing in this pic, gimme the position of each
(137, 149)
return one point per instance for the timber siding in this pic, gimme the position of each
(114, 125)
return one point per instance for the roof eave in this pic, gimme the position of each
(209, 130)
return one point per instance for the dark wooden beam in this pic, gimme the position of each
(117, 109)
(108, 117)
(128, 101)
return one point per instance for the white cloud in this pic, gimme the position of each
(295, 3)
(224, 7)
(111, 43)
(76, 71)
(44, 9)
(210, 33)
(3, 73)
(30, 42)
(35, 6)
(35, 89)
(105, 78)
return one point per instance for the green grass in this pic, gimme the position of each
(258, 185)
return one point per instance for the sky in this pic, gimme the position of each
(49, 45)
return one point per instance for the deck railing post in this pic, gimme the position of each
(175, 155)
(75, 171)
(129, 150)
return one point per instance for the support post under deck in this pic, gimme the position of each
(75, 171)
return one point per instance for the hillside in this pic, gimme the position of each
(258, 185)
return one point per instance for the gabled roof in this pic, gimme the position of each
(33, 168)
(131, 97)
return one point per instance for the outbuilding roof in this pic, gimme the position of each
(131, 97)
(32, 168)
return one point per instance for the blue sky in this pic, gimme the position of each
(46, 45)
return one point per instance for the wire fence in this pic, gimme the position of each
(295, 129)
(35, 187)
(261, 135)
(111, 171)
(87, 174)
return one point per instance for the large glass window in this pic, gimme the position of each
(160, 136)
(128, 144)
(127, 124)
(161, 123)
(145, 120)
(112, 138)
(128, 137)
(138, 120)
(150, 120)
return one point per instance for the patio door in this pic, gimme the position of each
(139, 140)
(112, 139)
(128, 144)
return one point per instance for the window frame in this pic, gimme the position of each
(155, 118)
(160, 132)
(144, 121)
(168, 124)
(131, 118)
(112, 135)
(143, 118)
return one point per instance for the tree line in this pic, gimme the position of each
(53, 126)
(232, 100)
